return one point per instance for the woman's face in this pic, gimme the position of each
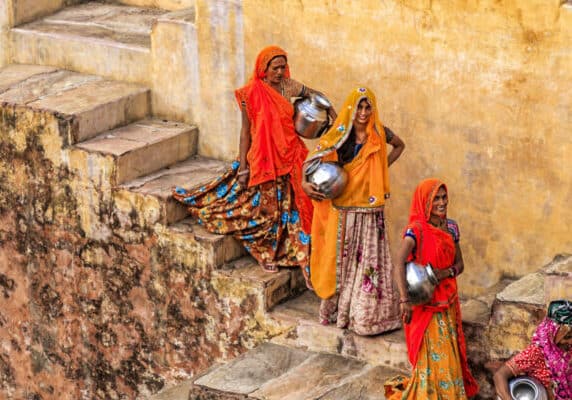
(276, 70)
(564, 337)
(440, 202)
(363, 112)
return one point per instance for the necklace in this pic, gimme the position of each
(279, 90)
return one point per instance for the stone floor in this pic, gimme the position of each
(276, 372)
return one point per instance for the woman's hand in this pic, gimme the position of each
(243, 177)
(311, 189)
(500, 379)
(405, 312)
(443, 273)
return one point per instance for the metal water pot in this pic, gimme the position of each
(329, 177)
(527, 388)
(311, 116)
(421, 282)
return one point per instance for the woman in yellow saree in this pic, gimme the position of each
(350, 263)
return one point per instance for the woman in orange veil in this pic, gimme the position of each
(433, 331)
(351, 268)
(260, 200)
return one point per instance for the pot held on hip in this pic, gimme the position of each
(329, 177)
(421, 282)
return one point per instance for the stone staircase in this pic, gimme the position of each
(304, 361)
(307, 361)
(97, 38)
(116, 146)
(80, 94)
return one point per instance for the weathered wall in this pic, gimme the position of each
(5, 24)
(29, 10)
(478, 90)
(89, 318)
(220, 34)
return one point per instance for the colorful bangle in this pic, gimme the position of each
(243, 172)
(402, 301)
(455, 271)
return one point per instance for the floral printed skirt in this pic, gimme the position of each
(438, 374)
(264, 217)
(366, 301)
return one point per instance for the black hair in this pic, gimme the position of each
(346, 153)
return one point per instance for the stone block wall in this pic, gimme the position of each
(501, 323)
(83, 317)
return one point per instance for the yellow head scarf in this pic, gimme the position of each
(340, 132)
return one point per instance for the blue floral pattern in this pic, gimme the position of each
(263, 217)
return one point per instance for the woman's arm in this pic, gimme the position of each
(454, 270)
(459, 265)
(397, 148)
(243, 170)
(407, 245)
(501, 378)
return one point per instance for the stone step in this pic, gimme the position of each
(142, 147)
(193, 246)
(116, 38)
(521, 305)
(95, 104)
(147, 201)
(305, 331)
(278, 372)
(271, 288)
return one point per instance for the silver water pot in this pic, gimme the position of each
(329, 177)
(311, 116)
(421, 282)
(526, 388)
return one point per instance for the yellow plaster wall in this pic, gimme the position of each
(5, 24)
(220, 33)
(478, 89)
(29, 10)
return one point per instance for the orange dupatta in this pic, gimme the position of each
(275, 148)
(436, 247)
(367, 188)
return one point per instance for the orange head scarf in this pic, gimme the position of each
(263, 60)
(275, 148)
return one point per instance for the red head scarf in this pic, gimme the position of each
(275, 148)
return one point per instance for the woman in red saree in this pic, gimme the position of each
(259, 200)
(433, 331)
